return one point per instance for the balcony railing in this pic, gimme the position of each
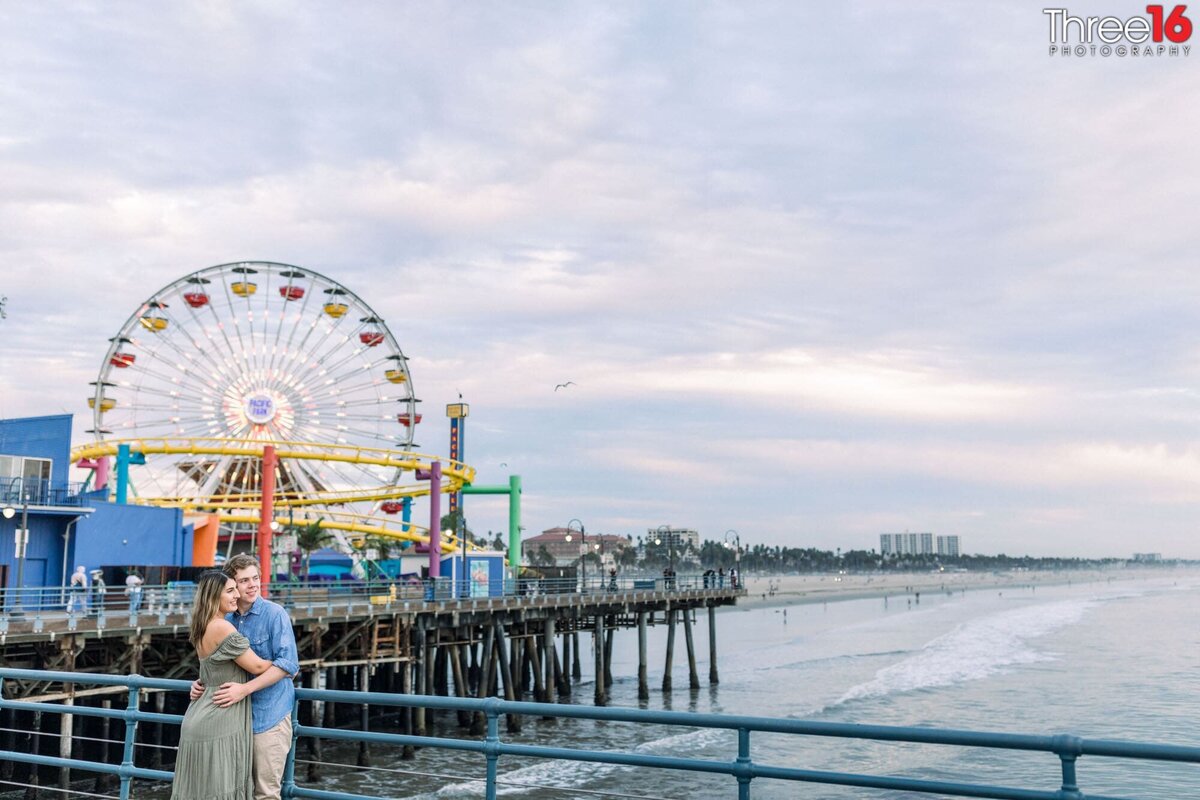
(39, 492)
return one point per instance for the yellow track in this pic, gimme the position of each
(455, 475)
(361, 524)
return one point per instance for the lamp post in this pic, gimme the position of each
(582, 560)
(737, 551)
(20, 540)
(658, 538)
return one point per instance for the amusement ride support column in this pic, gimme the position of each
(266, 514)
(514, 522)
(122, 473)
(435, 477)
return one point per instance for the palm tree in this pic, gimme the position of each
(309, 538)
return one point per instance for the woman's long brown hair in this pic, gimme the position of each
(207, 603)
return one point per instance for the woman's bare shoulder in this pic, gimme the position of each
(219, 628)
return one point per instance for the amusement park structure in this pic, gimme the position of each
(257, 396)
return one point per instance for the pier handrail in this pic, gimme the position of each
(40, 605)
(743, 768)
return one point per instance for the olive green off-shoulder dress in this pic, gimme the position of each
(216, 745)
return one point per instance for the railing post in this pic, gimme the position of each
(743, 764)
(289, 767)
(1068, 749)
(131, 710)
(493, 754)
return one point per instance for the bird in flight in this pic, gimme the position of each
(504, 463)
(565, 385)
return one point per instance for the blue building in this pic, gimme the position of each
(66, 524)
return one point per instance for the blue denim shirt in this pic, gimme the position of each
(269, 629)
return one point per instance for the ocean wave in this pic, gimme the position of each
(973, 650)
(575, 774)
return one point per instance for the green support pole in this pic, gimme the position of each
(513, 490)
(514, 523)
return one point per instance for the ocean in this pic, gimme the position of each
(1113, 659)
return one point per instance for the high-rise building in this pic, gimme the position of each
(948, 546)
(906, 544)
(677, 539)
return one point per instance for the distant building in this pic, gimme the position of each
(948, 546)
(906, 544)
(1147, 558)
(677, 538)
(606, 546)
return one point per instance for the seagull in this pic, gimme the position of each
(565, 385)
(504, 463)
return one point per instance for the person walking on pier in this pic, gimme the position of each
(99, 590)
(216, 742)
(269, 630)
(77, 591)
(133, 588)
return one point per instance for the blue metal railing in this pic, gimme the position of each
(742, 768)
(39, 492)
(42, 604)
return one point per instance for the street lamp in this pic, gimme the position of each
(20, 539)
(582, 541)
(658, 538)
(737, 551)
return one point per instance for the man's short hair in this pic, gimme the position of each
(238, 563)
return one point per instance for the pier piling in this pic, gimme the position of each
(601, 693)
(643, 683)
(512, 721)
(670, 659)
(693, 677)
(712, 646)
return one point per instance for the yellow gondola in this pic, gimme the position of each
(336, 310)
(106, 403)
(396, 375)
(244, 288)
(154, 324)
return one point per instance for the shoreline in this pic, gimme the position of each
(768, 591)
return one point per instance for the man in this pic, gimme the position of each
(269, 630)
(77, 593)
(133, 588)
(99, 590)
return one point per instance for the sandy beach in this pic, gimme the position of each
(786, 590)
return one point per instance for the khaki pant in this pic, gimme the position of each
(270, 755)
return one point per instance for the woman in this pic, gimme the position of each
(216, 745)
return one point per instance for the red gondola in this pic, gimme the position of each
(195, 299)
(407, 419)
(370, 338)
(391, 507)
(122, 360)
(291, 292)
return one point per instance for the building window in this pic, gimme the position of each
(24, 478)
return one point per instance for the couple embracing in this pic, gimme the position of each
(230, 750)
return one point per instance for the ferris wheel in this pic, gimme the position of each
(255, 351)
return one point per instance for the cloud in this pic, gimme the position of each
(893, 263)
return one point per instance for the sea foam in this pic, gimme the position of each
(973, 650)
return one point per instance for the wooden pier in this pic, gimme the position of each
(512, 646)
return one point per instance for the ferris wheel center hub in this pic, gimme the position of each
(260, 408)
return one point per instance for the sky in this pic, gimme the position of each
(816, 271)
